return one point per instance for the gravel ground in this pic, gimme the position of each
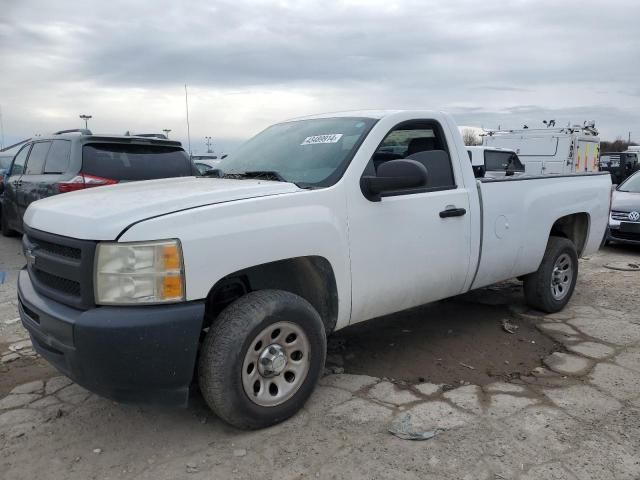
(557, 399)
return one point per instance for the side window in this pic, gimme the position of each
(496, 161)
(424, 142)
(20, 160)
(36, 158)
(502, 161)
(515, 164)
(58, 158)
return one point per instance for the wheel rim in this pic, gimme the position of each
(276, 364)
(561, 277)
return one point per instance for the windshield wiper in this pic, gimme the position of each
(255, 174)
(264, 175)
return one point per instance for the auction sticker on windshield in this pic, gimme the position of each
(315, 139)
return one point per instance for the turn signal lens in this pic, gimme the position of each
(171, 257)
(171, 287)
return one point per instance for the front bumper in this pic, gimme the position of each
(615, 235)
(143, 354)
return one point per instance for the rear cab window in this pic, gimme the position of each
(131, 162)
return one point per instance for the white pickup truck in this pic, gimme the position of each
(236, 279)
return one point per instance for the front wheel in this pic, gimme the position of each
(261, 359)
(550, 288)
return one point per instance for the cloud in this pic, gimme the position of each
(251, 63)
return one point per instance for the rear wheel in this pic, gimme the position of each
(261, 359)
(550, 288)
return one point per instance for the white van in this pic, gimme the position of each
(550, 151)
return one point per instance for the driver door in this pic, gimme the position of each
(405, 250)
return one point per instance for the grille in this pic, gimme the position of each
(60, 250)
(625, 235)
(61, 267)
(619, 215)
(64, 285)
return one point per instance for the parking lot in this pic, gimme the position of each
(510, 394)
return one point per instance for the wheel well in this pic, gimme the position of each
(575, 227)
(311, 277)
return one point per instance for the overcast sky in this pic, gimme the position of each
(251, 63)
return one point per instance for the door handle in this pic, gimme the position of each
(452, 212)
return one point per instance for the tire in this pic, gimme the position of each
(4, 227)
(236, 345)
(550, 289)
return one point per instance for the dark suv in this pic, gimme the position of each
(75, 159)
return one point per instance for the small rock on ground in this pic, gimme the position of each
(9, 358)
(31, 387)
(56, 383)
(428, 388)
(593, 350)
(566, 364)
(16, 400)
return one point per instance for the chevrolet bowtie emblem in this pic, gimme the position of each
(31, 259)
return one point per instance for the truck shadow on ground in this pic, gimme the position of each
(449, 342)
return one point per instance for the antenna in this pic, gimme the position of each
(186, 102)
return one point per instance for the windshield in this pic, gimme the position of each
(312, 152)
(5, 162)
(631, 184)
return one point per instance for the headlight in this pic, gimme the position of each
(139, 273)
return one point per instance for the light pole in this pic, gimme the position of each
(166, 131)
(85, 118)
(208, 142)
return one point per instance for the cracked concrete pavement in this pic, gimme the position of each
(576, 416)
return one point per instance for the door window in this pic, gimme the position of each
(58, 157)
(37, 157)
(20, 160)
(424, 142)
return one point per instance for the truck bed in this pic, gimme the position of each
(516, 210)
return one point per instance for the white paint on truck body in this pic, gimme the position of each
(386, 256)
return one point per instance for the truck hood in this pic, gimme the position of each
(102, 213)
(625, 201)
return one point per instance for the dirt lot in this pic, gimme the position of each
(557, 399)
(450, 342)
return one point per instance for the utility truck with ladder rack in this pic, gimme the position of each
(551, 151)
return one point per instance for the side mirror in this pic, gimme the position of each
(394, 175)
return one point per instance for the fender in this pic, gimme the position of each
(223, 238)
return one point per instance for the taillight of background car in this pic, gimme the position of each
(82, 181)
